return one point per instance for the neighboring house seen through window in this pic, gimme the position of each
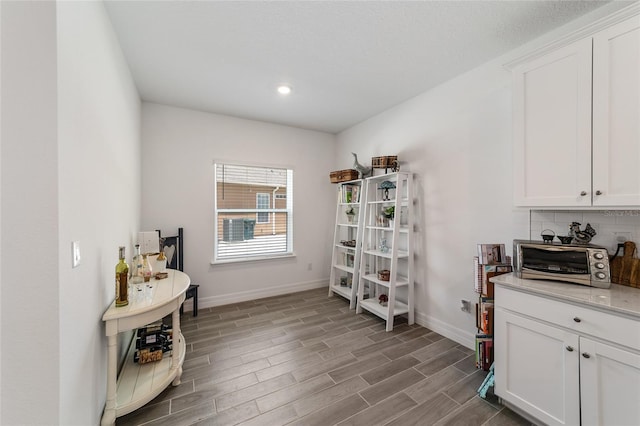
(262, 202)
(253, 212)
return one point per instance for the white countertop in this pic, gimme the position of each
(619, 298)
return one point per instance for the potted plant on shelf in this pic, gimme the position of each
(351, 213)
(383, 299)
(389, 213)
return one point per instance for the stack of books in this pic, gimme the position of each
(490, 261)
(349, 194)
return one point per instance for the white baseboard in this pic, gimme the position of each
(244, 296)
(463, 337)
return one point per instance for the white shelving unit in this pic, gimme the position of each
(387, 246)
(345, 260)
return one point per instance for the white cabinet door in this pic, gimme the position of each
(536, 368)
(552, 128)
(616, 115)
(610, 385)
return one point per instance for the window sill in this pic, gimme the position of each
(253, 259)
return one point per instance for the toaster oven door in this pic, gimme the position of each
(565, 264)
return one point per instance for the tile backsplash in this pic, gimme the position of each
(612, 226)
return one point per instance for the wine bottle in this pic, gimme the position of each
(122, 281)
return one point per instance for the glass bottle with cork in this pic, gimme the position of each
(147, 270)
(136, 270)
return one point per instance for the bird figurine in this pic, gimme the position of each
(582, 237)
(363, 171)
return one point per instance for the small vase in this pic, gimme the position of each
(161, 263)
(390, 223)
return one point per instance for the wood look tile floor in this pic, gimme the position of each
(304, 359)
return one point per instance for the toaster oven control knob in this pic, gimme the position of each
(601, 275)
(598, 256)
(600, 265)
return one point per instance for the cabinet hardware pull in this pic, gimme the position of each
(570, 348)
(586, 355)
(583, 193)
(576, 319)
(598, 192)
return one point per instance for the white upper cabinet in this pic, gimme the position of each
(616, 115)
(552, 124)
(577, 122)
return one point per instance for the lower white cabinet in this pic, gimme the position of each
(609, 383)
(554, 361)
(534, 369)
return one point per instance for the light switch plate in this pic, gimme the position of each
(75, 254)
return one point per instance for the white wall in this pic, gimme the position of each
(99, 195)
(70, 171)
(179, 147)
(30, 308)
(456, 138)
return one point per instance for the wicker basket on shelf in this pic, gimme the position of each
(343, 175)
(384, 275)
(385, 162)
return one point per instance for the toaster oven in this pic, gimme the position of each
(585, 264)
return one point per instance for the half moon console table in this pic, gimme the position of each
(137, 384)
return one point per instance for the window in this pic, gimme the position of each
(262, 203)
(253, 212)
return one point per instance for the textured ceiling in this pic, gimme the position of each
(346, 61)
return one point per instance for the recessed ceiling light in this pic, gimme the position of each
(284, 89)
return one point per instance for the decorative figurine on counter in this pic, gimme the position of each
(548, 235)
(581, 237)
(363, 171)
